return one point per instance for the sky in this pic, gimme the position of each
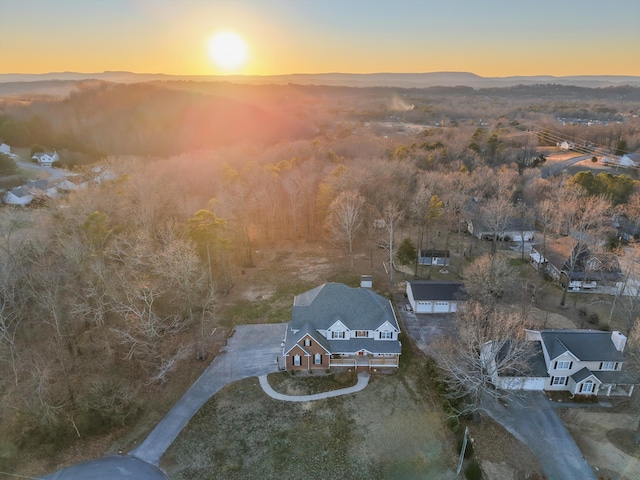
(491, 38)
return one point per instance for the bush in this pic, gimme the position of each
(473, 471)
(593, 319)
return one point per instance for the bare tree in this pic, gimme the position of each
(588, 219)
(490, 344)
(392, 216)
(345, 217)
(489, 278)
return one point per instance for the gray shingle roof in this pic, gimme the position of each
(356, 308)
(586, 345)
(432, 290)
(582, 374)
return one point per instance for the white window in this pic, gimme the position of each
(296, 360)
(317, 359)
(362, 333)
(307, 342)
(559, 381)
(386, 335)
(609, 366)
(587, 387)
(563, 365)
(337, 334)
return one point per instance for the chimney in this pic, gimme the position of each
(366, 281)
(619, 340)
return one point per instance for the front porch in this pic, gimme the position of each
(368, 361)
(613, 390)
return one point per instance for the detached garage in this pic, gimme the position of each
(435, 297)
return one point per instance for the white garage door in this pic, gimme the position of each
(424, 307)
(441, 307)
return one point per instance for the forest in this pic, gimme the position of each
(114, 283)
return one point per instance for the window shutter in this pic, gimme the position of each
(566, 380)
(552, 379)
(601, 363)
(570, 365)
(555, 365)
(581, 385)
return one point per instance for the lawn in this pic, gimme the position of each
(390, 430)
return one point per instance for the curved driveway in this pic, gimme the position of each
(251, 351)
(532, 419)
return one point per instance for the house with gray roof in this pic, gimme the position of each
(435, 297)
(581, 362)
(334, 325)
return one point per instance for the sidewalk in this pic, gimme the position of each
(363, 381)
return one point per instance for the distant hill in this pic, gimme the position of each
(60, 83)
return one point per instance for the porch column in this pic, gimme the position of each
(609, 390)
(631, 389)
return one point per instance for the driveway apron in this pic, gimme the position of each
(251, 351)
(532, 419)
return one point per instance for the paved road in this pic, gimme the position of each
(532, 419)
(250, 352)
(558, 167)
(50, 173)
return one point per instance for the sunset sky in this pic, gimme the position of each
(489, 38)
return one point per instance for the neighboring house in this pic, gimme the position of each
(564, 145)
(46, 159)
(441, 258)
(581, 362)
(25, 194)
(627, 229)
(72, 183)
(598, 272)
(102, 175)
(6, 149)
(18, 196)
(435, 297)
(334, 325)
(630, 160)
(515, 230)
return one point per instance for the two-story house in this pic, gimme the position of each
(334, 325)
(581, 362)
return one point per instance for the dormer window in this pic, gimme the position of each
(307, 342)
(337, 335)
(362, 333)
(386, 335)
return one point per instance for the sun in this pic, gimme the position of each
(228, 50)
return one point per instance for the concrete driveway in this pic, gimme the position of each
(532, 419)
(424, 328)
(529, 416)
(251, 351)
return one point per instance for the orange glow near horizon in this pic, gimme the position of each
(492, 39)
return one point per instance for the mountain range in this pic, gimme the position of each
(59, 83)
